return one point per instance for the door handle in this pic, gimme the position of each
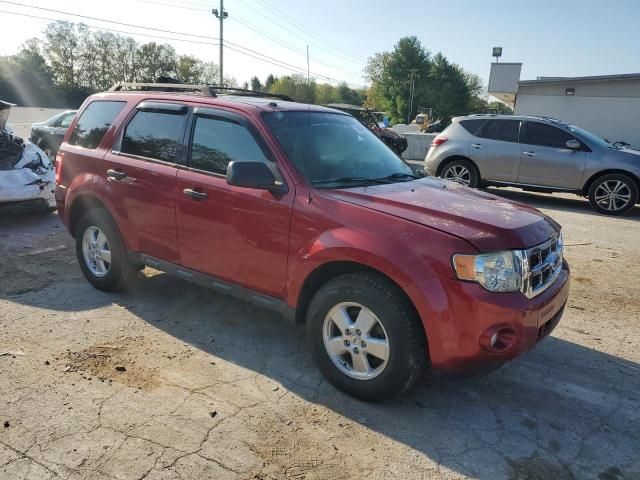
(116, 175)
(195, 194)
(476, 145)
(530, 154)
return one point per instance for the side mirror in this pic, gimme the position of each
(256, 175)
(573, 144)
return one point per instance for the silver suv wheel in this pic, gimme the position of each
(96, 251)
(613, 195)
(356, 341)
(458, 174)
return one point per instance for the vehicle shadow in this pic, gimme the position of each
(564, 203)
(562, 411)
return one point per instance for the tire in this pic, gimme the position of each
(619, 184)
(119, 272)
(461, 171)
(371, 295)
(48, 150)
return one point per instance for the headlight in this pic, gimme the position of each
(497, 272)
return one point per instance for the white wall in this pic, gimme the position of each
(608, 117)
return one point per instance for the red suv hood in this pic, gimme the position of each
(486, 221)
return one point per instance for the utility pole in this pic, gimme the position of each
(308, 81)
(413, 73)
(221, 15)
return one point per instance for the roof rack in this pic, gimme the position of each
(204, 90)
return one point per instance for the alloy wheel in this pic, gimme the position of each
(613, 195)
(458, 174)
(356, 341)
(96, 251)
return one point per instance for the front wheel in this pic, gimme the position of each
(365, 337)
(461, 171)
(613, 194)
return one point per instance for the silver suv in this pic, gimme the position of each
(537, 154)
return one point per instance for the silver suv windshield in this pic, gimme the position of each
(590, 137)
(333, 150)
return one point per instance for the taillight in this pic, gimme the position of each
(58, 165)
(438, 141)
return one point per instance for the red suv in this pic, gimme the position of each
(301, 209)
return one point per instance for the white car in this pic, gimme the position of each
(27, 177)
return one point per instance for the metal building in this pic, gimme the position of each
(607, 105)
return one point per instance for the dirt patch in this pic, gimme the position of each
(114, 363)
(536, 468)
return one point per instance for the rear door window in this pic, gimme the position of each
(94, 123)
(546, 135)
(503, 130)
(472, 126)
(218, 141)
(153, 134)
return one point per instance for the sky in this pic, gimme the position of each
(550, 37)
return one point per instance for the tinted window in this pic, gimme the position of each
(65, 121)
(504, 130)
(152, 135)
(546, 135)
(218, 141)
(335, 151)
(94, 123)
(472, 126)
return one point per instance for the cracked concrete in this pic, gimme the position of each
(171, 381)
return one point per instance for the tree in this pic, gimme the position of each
(156, 60)
(438, 84)
(325, 94)
(296, 87)
(269, 82)
(256, 86)
(189, 69)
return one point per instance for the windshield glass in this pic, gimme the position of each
(333, 150)
(589, 137)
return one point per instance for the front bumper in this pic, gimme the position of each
(459, 315)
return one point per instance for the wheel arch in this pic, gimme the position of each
(451, 158)
(327, 271)
(587, 185)
(80, 205)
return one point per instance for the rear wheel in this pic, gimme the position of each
(365, 337)
(461, 171)
(613, 194)
(101, 252)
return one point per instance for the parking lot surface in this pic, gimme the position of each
(168, 380)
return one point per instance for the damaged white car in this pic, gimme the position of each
(27, 177)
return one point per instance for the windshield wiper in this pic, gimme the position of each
(399, 175)
(379, 181)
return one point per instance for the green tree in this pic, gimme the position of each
(296, 87)
(189, 69)
(269, 82)
(256, 86)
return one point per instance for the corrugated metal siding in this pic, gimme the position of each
(504, 77)
(624, 88)
(608, 117)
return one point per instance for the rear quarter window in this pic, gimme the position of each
(94, 123)
(472, 126)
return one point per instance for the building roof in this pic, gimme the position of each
(596, 78)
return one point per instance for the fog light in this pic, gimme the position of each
(498, 338)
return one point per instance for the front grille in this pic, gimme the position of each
(541, 266)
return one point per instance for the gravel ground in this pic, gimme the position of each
(21, 118)
(171, 381)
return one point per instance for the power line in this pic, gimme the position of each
(106, 21)
(255, 53)
(281, 14)
(49, 19)
(153, 2)
(305, 38)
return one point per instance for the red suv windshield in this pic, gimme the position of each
(334, 150)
